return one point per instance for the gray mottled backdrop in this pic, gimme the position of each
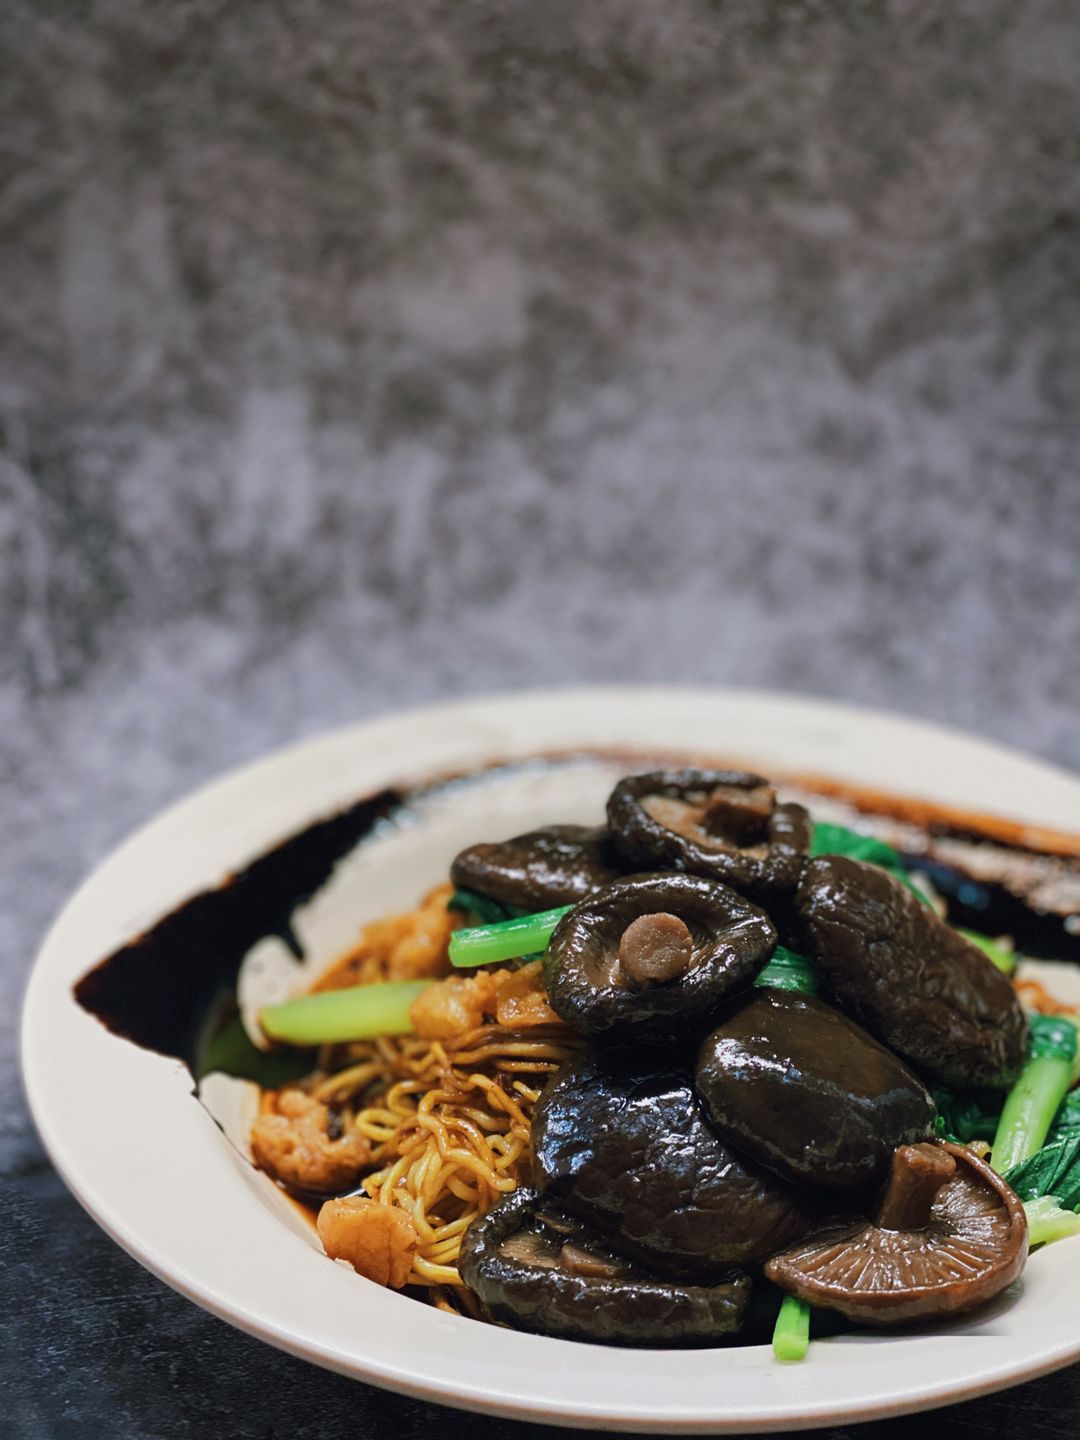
(355, 354)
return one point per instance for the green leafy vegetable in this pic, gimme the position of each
(791, 1334)
(1067, 1119)
(1053, 1035)
(789, 971)
(360, 1012)
(489, 912)
(230, 1051)
(829, 839)
(1033, 1102)
(1040, 1107)
(1053, 1170)
(966, 1115)
(509, 940)
(1047, 1221)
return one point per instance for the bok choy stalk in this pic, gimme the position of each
(1048, 1222)
(1030, 1107)
(1046, 1176)
(791, 1336)
(331, 1017)
(508, 940)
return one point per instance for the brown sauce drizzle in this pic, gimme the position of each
(157, 989)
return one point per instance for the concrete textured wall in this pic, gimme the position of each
(354, 354)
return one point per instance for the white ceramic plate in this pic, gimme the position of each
(153, 1169)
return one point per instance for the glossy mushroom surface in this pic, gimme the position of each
(654, 955)
(536, 1269)
(722, 824)
(950, 1235)
(555, 865)
(799, 1087)
(910, 979)
(620, 1139)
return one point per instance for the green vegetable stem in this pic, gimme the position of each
(488, 944)
(330, 1017)
(1047, 1221)
(1054, 1170)
(1033, 1101)
(791, 1335)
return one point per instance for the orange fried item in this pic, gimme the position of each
(378, 1241)
(291, 1140)
(514, 998)
(522, 998)
(452, 1006)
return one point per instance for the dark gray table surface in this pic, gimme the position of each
(354, 355)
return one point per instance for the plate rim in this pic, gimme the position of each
(537, 1408)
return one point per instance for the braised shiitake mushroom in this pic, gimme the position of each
(799, 1087)
(654, 955)
(908, 977)
(722, 824)
(555, 865)
(620, 1139)
(535, 1268)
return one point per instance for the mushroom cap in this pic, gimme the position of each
(620, 1139)
(973, 1246)
(589, 988)
(911, 979)
(721, 824)
(802, 1089)
(514, 1258)
(555, 865)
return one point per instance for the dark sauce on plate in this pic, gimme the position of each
(158, 988)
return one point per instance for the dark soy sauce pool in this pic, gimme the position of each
(158, 988)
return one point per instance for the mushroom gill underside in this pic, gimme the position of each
(967, 1246)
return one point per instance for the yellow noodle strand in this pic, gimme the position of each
(450, 1125)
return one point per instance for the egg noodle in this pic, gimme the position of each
(450, 1123)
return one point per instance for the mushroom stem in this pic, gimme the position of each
(918, 1173)
(655, 948)
(738, 815)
